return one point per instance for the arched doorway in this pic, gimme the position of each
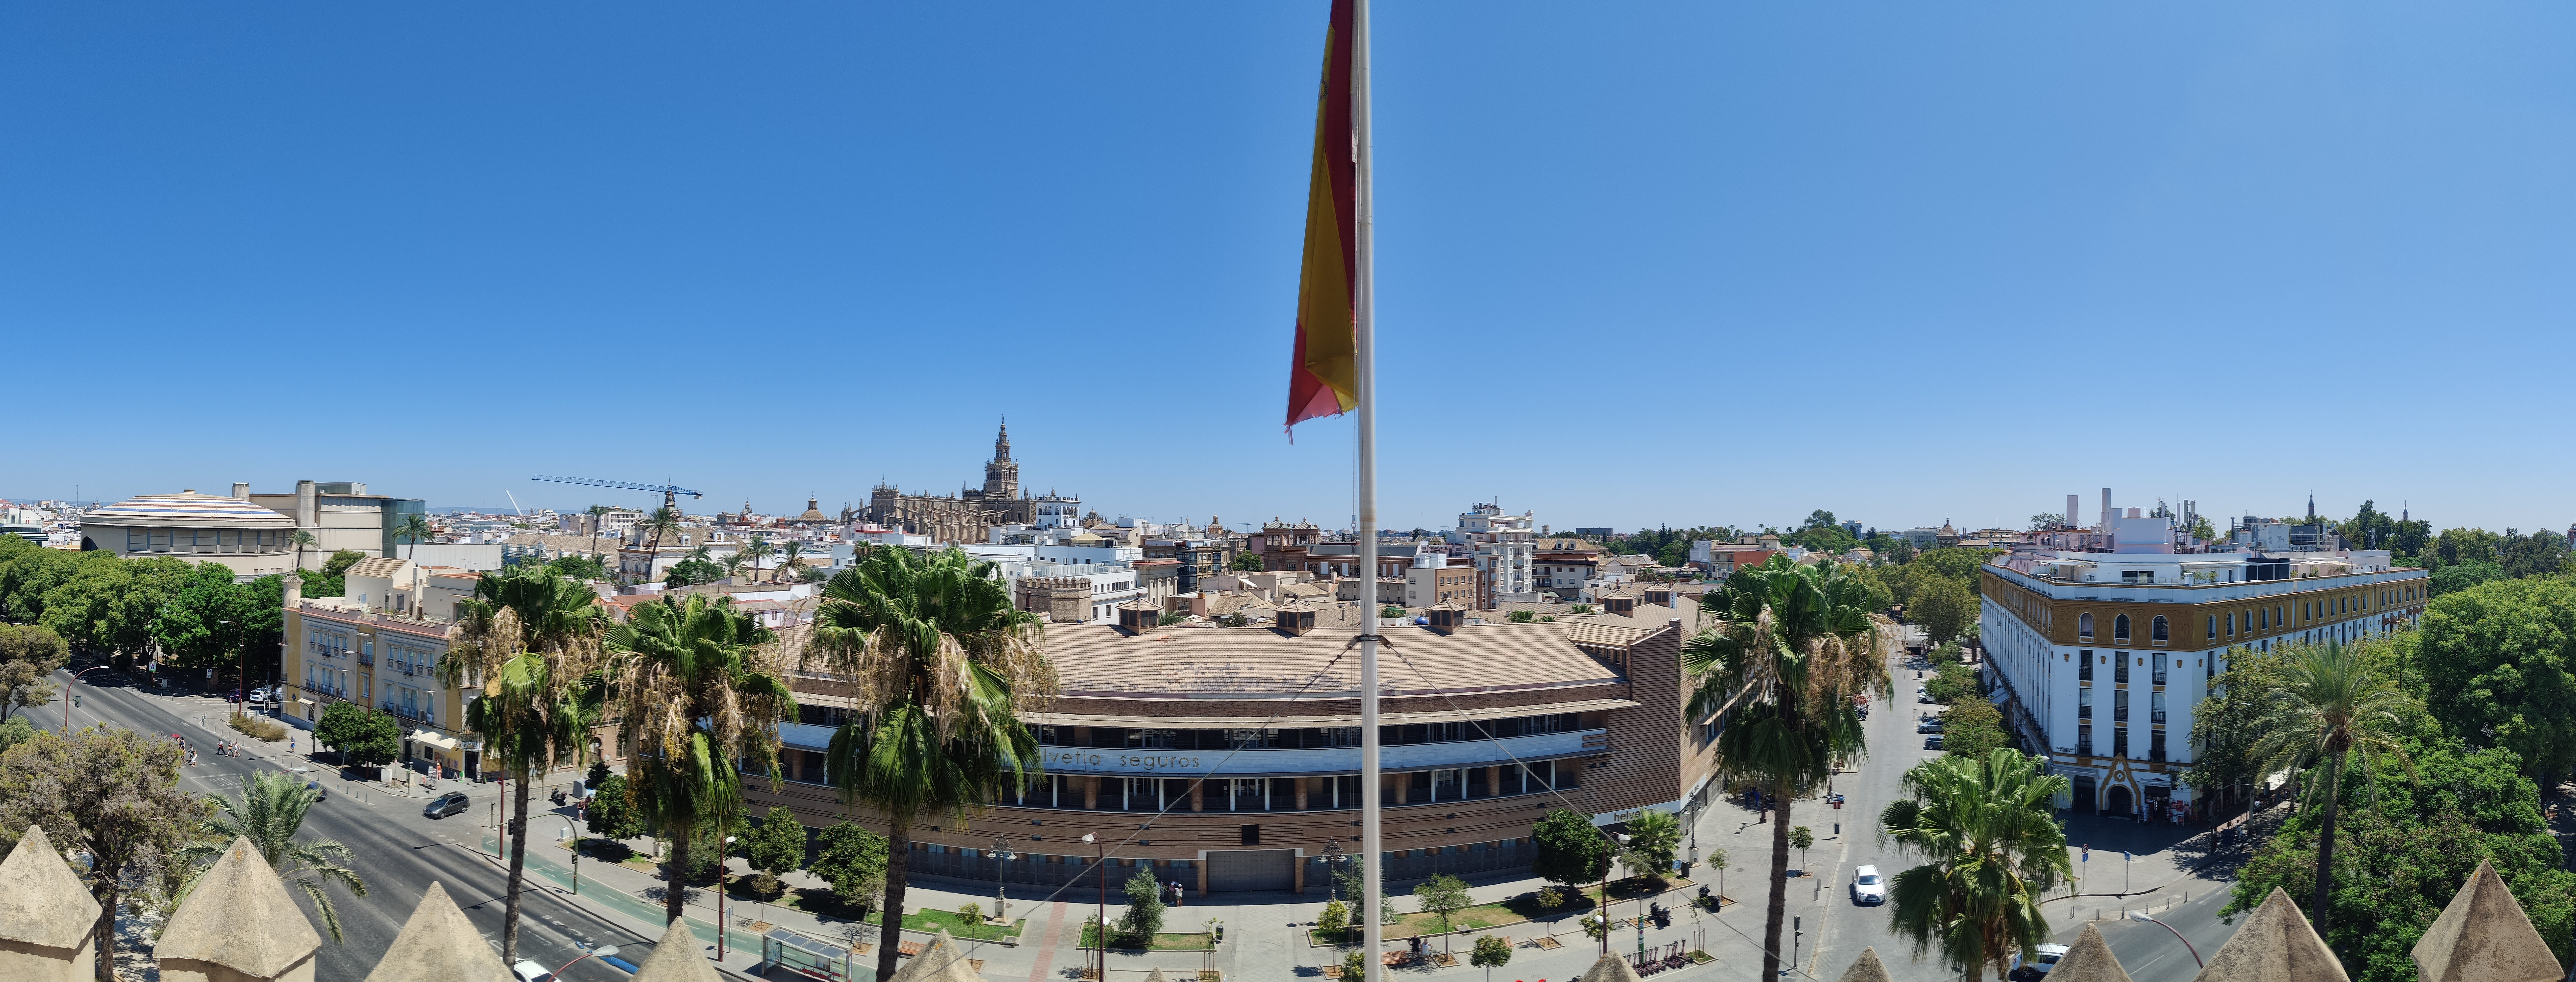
(2120, 804)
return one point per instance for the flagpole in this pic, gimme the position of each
(1364, 380)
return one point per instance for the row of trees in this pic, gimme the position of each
(193, 615)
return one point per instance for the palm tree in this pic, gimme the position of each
(758, 549)
(415, 528)
(1994, 851)
(735, 562)
(2330, 705)
(689, 678)
(1791, 647)
(788, 555)
(268, 812)
(658, 524)
(941, 668)
(301, 540)
(529, 638)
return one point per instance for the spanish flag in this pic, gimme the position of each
(1320, 371)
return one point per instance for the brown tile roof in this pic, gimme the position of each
(1185, 660)
(377, 566)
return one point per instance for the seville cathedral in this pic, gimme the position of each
(967, 515)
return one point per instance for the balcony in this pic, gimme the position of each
(366, 659)
(2120, 711)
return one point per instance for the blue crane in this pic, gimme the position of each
(670, 492)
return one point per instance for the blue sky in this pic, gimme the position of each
(1654, 263)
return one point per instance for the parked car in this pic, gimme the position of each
(1932, 742)
(2037, 961)
(261, 694)
(453, 803)
(1928, 726)
(1867, 888)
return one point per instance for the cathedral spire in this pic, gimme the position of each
(1002, 444)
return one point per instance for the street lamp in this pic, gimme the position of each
(1001, 899)
(575, 838)
(1333, 869)
(2140, 915)
(722, 862)
(1100, 918)
(71, 694)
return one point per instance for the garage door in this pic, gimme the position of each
(1252, 869)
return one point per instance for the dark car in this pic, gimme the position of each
(452, 803)
(1932, 742)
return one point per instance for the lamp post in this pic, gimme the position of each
(722, 861)
(2140, 915)
(575, 837)
(68, 696)
(1001, 898)
(1100, 918)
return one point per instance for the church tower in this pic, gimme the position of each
(1001, 474)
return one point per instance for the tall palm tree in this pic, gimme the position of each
(1994, 851)
(657, 525)
(734, 563)
(758, 549)
(2330, 705)
(415, 528)
(693, 682)
(301, 540)
(941, 668)
(788, 557)
(268, 812)
(529, 638)
(1790, 648)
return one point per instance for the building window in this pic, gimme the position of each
(2156, 708)
(2120, 707)
(2084, 626)
(2120, 667)
(2084, 673)
(2231, 623)
(2160, 669)
(2213, 626)
(2084, 740)
(2120, 628)
(2120, 741)
(2156, 745)
(2084, 703)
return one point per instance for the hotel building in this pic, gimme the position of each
(1227, 758)
(2099, 659)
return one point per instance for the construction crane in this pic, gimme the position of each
(670, 492)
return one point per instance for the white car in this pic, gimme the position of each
(528, 971)
(1867, 887)
(2037, 961)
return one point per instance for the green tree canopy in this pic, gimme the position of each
(333, 578)
(2408, 856)
(777, 848)
(1973, 729)
(853, 860)
(1143, 918)
(1942, 607)
(269, 811)
(2499, 655)
(1248, 562)
(1569, 849)
(109, 791)
(364, 737)
(611, 815)
(2332, 707)
(27, 655)
(1654, 838)
(1442, 895)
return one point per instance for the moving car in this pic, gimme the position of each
(2037, 961)
(1932, 742)
(528, 971)
(1866, 886)
(453, 803)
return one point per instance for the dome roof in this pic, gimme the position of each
(187, 509)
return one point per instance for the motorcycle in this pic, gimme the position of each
(558, 796)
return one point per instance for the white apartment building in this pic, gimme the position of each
(1506, 552)
(2098, 659)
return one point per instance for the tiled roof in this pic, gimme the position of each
(1186, 660)
(189, 508)
(378, 566)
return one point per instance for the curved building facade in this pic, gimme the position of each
(199, 528)
(1228, 758)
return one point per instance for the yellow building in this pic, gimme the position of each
(380, 646)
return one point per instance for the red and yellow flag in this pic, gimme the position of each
(1321, 375)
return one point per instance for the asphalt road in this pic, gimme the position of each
(397, 851)
(2150, 953)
